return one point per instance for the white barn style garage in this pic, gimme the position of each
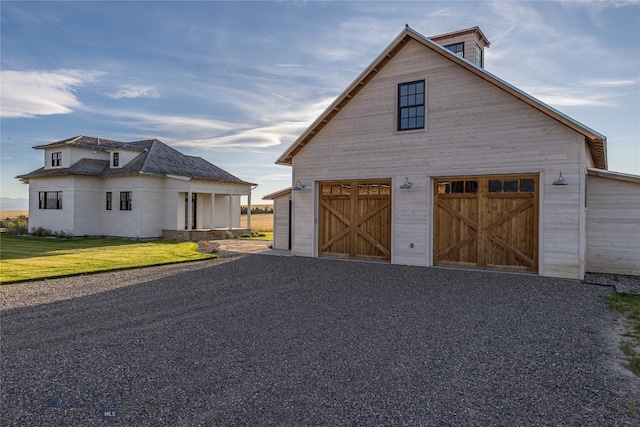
(427, 159)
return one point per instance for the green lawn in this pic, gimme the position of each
(30, 258)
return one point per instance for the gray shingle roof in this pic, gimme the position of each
(85, 142)
(81, 167)
(155, 158)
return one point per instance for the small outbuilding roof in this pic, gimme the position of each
(596, 142)
(277, 194)
(614, 175)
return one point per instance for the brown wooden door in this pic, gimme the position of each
(355, 220)
(487, 222)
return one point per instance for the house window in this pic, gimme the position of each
(50, 200)
(411, 105)
(116, 160)
(125, 200)
(109, 200)
(56, 158)
(479, 56)
(457, 48)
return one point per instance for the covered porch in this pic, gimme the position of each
(202, 215)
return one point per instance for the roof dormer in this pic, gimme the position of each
(468, 43)
(120, 157)
(115, 159)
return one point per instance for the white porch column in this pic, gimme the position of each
(213, 210)
(179, 211)
(249, 211)
(189, 210)
(229, 221)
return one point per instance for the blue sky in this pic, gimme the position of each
(237, 82)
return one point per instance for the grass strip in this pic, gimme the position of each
(32, 258)
(628, 305)
(263, 236)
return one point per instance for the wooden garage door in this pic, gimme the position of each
(487, 222)
(355, 220)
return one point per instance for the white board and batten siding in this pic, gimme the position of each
(613, 224)
(473, 128)
(87, 193)
(281, 217)
(124, 223)
(52, 219)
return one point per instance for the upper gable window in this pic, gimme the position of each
(411, 105)
(457, 48)
(56, 159)
(116, 160)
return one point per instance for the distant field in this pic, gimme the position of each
(13, 214)
(259, 222)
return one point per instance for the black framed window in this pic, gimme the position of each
(56, 158)
(116, 160)
(109, 200)
(524, 185)
(457, 48)
(50, 200)
(479, 56)
(411, 99)
(125, 200)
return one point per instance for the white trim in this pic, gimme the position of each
(181, 178)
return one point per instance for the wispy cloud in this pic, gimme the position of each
(276, 126)
(41, 93)
(595, 7)
(258, 137)
(164, 123)
(612, 83)
(566, 96)
(354, 40)
(133, 91)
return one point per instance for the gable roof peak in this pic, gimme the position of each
(595, 141)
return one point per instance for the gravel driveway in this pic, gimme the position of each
(261, 340)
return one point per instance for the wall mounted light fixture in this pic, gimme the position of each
(560, 180)
(299, 186)
(406, 185)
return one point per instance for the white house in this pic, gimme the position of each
(92, 186)
(427, 159)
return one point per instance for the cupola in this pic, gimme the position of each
(468, 43)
